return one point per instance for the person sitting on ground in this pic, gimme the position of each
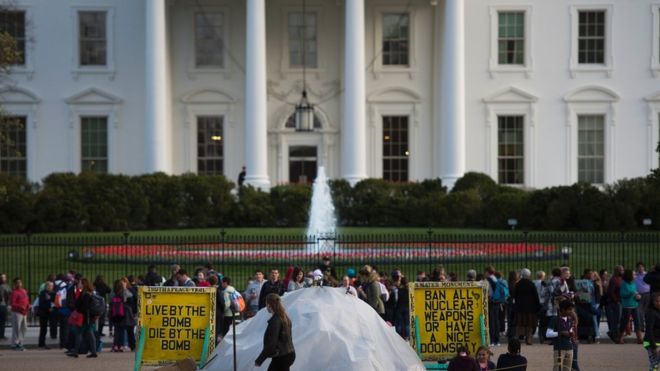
(512, 361)
(463, 361)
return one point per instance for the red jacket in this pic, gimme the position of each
(19, 301)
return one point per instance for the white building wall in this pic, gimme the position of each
(539, 91)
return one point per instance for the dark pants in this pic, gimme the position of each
(543, 325)
(54, 322)
(282, 363)
(3, 320)
(494, 322)
(43, 328)
(226, 325)
(101, 323)
(118, 339)
(64, 329)
(86, 332)
(130, 336)
(613, 311)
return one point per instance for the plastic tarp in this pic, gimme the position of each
(331, 331)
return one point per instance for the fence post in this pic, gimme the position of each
(430, 234)
(222, 249)
(525, 232)
(28, 282)
(126, 235)
(623, 249)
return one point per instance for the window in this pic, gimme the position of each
(94, 144)
(395, 148)
(13, 23)
(591, 148)
(13, 146)
(591, 37)
(92, 34)
(510, 150)
(302, 30)
(210, 145)
(209, 45)
(511, 38)
(395, 39)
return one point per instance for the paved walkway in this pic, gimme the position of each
(603, 357)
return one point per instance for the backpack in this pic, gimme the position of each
(500, 292)
(97, 307)
(117, 310)
(236, 302)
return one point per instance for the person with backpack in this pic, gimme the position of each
(497, 294)
(231, 311)
(119, 313)
(86, 333)
(102, 289)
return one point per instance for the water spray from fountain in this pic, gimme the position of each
(322, 220)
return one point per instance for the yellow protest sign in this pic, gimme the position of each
(174, 321)
(447, 315)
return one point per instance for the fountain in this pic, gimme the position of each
(322, 221)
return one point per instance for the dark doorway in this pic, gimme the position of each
(302, 164)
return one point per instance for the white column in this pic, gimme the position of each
(157, 126)
(451, 94)
(353, 126)
(256, 140)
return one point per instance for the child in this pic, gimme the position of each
(563, 342)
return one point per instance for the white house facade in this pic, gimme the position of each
(534, 93)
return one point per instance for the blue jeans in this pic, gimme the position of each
(402, 322)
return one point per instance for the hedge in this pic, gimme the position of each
(66, 202)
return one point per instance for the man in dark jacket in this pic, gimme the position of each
(273, 285)
(653, 279)
(152, 278)
(46, 298)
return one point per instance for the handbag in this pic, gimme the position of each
(76, 319)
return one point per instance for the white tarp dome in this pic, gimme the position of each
(331, 331)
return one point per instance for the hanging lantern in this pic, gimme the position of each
(304, 114)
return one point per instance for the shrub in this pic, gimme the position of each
(291, 204)
(16, 204)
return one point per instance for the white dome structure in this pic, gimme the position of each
(332, 331)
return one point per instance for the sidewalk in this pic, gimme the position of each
(31, 340)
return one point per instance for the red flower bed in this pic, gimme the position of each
(343, 252)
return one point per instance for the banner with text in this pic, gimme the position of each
(446, 315)
(175, 320)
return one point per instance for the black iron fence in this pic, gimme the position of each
(33, 257)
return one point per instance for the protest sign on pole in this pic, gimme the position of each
(447, 315)
(176, 322)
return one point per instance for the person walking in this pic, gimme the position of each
(4, 302)
(278, 340)
(45, 308)
(20, 304)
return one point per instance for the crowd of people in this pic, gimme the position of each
(560, 309)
